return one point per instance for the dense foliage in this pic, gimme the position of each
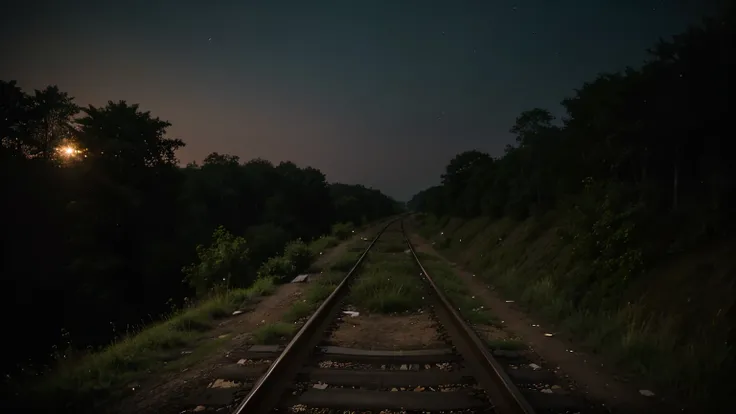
(640, 172)
(100, 220)
(649, 143)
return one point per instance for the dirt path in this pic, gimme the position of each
(387, 332)
(582, 369)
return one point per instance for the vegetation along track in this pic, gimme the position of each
(311, 375)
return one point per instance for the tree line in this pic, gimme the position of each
(647, 144)
(100, 219)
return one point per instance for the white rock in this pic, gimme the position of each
(534, 366)
(237, 313)
(320, 386)
(547, 391)
(646, 393)
(199, 408)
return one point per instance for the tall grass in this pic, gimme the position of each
(683, 350)
(323, 243)
(388, 283)
(458, 293)
(101, 373)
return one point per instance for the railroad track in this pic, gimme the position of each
(307, 376)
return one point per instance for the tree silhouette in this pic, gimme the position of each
(100, 219)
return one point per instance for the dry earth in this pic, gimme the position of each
(387, 332)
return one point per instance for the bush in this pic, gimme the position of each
(342, 230)
(277, 267)
(223, 264)
(322, 244)
(300, 256)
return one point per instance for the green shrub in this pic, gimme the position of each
(277, 267)
(222, 264)
(343, 230)
(299, 254)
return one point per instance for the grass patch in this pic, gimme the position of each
(678, 341)
(319, 289)
(298, 311)
(387, 287)
(193, 321)
(274, 333)
(345, 262)
(323, 243)
(79, 381)
(458, 293)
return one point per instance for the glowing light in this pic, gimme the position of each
(68, 151)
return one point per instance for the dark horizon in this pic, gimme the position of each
(356, 91)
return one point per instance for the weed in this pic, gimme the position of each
(96, 375)
(261, 287)
(299, 255)
(583, 273)
(192, 321)
(274, 333)
(319, 292)
(299, 310)
(386, 291)
(277, 267)
(345, 262)
(471, 308)
(323, 243)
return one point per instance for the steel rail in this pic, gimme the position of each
(267, 392)
(505, 396)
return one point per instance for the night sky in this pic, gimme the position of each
(381, 93)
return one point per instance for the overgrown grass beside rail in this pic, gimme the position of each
(103, 373)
